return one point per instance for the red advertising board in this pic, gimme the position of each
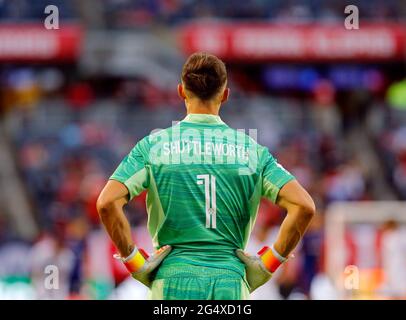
(315, 42)
(36, 43)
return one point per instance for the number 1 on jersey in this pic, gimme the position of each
(209, 182)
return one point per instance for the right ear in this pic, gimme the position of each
(181, 92)
(225, 96)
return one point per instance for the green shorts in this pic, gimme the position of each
(198, 283)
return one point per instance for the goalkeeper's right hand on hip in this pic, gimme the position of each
(259, 268)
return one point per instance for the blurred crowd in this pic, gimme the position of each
(129, 13)
(175, 11)
(392, 144)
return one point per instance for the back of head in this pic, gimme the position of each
(204, 75)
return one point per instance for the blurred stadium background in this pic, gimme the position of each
(330, 103)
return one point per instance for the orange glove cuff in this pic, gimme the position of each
(270, 258)
(135, 261)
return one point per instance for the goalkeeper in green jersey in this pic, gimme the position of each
(204, 182)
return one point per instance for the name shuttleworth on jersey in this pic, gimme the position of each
(212, 146)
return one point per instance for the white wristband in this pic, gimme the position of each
(128, 258)
(277, 255)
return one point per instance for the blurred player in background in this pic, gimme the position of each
(204, 181)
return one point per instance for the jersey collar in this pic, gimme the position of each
(203, 118)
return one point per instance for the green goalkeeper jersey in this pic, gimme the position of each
(204, 182)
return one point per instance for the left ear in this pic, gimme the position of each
(181, 92)
(225, 96)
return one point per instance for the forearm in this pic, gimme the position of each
(118, 227)
(292, 229)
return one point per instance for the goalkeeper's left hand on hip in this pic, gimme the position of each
(141, 265)
(259, 268)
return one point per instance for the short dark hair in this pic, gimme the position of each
(204, 75)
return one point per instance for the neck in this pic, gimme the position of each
(202, 108)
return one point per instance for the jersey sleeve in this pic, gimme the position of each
(274, 177)
(132, 171)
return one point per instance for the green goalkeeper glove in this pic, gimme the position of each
(141, 265)
(259, 269)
